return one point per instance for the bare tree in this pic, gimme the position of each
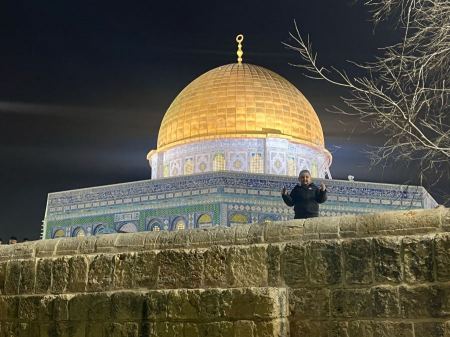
(404, 92)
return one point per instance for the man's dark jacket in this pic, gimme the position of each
(306, 200)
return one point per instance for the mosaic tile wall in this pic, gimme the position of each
(265, 155)
(216, 198)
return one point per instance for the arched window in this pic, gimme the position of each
(292, 167)
(99, 229)
(166, 171)
(238, 218)
(78, 232)
(189, 166)
(204, 220)
(127, 228)
(179, 224)
(219, 162)
(256, 163)
(314, 170)
(59, 233)
(155, 225)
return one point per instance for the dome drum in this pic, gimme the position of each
(265, 155)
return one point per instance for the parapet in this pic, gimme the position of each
(387, 273)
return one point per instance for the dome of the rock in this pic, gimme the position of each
(240, 117)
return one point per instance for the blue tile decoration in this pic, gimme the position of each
(105, 209)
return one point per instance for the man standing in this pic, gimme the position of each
(305, 197)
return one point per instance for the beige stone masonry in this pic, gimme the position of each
(378, 275)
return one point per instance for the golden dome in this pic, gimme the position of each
(240, 100)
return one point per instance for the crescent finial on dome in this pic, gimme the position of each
(239, 52)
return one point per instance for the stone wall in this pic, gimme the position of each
(373, 276)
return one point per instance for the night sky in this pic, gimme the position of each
(84, 85)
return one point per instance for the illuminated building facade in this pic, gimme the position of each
(228, 144)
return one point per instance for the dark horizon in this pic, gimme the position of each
(84, 87)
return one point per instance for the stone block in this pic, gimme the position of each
(90, 307)
(29, 308)
(326, 228)
(180, 269)
(95, 329)
(255, 233)
(45, 248)
(12, 278)
(240, 234)
(423, 301)
(78, 272)
(127, 306)
(145, 270)
(100, 272)
(351, 303)
(23, 250)
(105, 243)
(293, 265)
(155, 305)
(324, 262)
(9, 308)
(280, 231)
(309, 303)
(216, 267)
(128, 329)
(150, 241)
(172, 239)
(50, 330)
(244, 329)
(442, 257)
(308, 328)
(87, 245)
(387, 260)
(385, 302)
(43, 275)
(67, 246)
(391, 329)
(46, 308)
(348, 226)
(220, 235)
(75, 329)
(61, 308)
(6, 251)
(274, 266)
(124, 270)
(191, 330)
(27, 276)
(184, 305)
(60, 274)
(247, 266)
(216, 329)
(16, 329)
(130, 242)
(168, 329)
(215, 304)
(358, 261)
(251, 303)
(418, 259)
(380, 329)
(429, 329)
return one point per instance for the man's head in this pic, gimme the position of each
(304, 177)
(12, 240)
